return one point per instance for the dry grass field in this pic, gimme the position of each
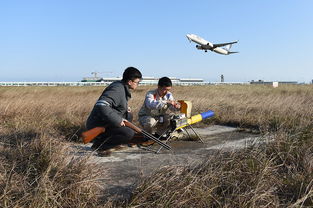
(37, 124)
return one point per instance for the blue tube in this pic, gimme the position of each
(207, 114)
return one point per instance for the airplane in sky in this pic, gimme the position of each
(206, 45)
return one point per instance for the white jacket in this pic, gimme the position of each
(154, 105)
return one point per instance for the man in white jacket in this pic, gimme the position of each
(159, 105)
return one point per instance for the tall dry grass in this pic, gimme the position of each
(279, 175)
(261, 107)
(37, 171)
(36, 167)
(38, 122)
(65, 109)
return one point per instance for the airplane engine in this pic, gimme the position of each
(198, 47)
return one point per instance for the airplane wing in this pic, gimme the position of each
(224, 44)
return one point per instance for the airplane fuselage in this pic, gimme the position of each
(206, 45)
(200, 41)
(216, 50)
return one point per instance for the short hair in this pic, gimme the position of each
(165, 82)
(131, 73)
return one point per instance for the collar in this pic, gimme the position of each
(127, 90)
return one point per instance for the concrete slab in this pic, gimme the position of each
(212, 130)
(126, 167)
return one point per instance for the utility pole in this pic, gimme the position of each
(95, 73)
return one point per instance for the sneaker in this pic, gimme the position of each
(147, 143)
(101, 146)
(104, 153)
(98, 143)
(118, 147)
(106, 149)
(95, 145)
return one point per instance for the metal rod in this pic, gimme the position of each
(150, 136)
(166, 146)
(198, 135)
(167, 139)
(146, 148)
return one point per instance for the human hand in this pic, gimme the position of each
(174, 104)
(122, 123)
(170, 102)
(177, 105)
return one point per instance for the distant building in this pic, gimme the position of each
(146, 80)
(271, 82)
(222, 78)
(91, 79)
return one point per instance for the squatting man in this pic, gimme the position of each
(158, 107)
(111, 110)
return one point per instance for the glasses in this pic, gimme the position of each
(136, 82)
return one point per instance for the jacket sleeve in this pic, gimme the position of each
(171, 98)
(107, 100)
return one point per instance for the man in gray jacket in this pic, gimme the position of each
(111, 110)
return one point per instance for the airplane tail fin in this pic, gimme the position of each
(228, 47)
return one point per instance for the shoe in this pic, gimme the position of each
(106, 149)
(98, 143)
(147, 143)
(118, 147)
(95, 145)
(104, 153)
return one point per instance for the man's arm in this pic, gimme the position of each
(172, 103)
(108, 114)
(110, 98)
(174, 106)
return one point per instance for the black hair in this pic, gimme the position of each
(165, 82)
(131, 73)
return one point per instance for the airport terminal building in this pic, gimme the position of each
(99, 81)
(146, 80)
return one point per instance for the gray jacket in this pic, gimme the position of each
(111, 107)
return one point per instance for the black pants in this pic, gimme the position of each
(116, 136)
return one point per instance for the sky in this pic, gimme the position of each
(66, 40)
